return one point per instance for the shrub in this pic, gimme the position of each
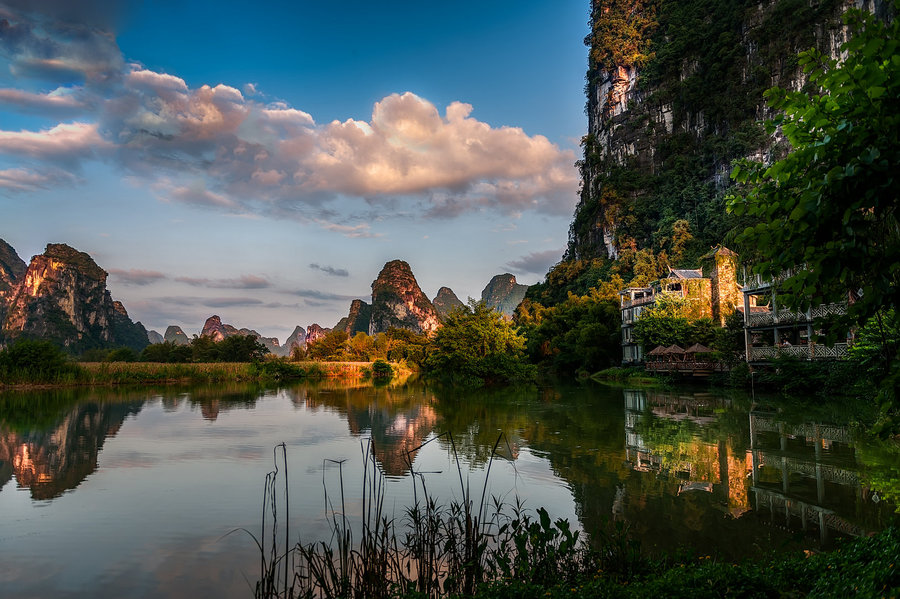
(382, 370)
(28, 361)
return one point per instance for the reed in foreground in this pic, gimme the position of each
(431, 549)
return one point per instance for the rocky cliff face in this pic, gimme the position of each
(215, 329)
(398, 302)
(154, 337)
(175, 335)
(12, 269)
(62, 297)
(445, 301)
(503, 294)
(675, 93)
(357, 321)
(314, 333)
(296, 339)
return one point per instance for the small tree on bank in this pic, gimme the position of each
(476, 345)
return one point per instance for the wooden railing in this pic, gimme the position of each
(687, 366)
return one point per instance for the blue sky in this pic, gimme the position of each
(262, 161)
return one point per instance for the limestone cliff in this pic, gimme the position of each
(62, 297)
(357, 320)
(175, 335)
(296, 339)
(675, 93)
(445, 301)
(503, 294)
(154, 337)
(314, 332)
(215, 329)
(398, 302)
(12, 269)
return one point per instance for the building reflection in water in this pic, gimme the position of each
(797, 477)
(804, 475)
(716, 468)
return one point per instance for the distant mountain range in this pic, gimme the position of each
(61, 296)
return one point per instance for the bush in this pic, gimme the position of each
(121, 354)
(279, 370)
(28, 361)
(382, 370)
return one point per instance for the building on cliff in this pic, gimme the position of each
(771, 331)
(715, 296)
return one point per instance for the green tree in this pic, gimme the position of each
(30, 361)
(121, 354)
(331, 347)
(830, 204)
(664, 323)
(582, 333)
(476, 345)
(241, 348)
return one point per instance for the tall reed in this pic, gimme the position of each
(433, 549)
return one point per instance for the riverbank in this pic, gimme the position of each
(139, 373)
(866, 567)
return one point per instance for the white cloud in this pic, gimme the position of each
(222, 149)
(66, 141)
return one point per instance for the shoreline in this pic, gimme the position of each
(111, 374)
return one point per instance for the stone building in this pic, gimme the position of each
(716, 296)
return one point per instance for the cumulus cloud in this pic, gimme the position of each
(221, 148)
(66, 141)
(135, 276)
(536, 262)
(329, 270)
(242, 282)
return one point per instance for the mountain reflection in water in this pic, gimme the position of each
(712, 473)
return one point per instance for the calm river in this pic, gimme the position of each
(133, 493)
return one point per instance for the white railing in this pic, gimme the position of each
(812, 351)
(756, 280)
(761, 319)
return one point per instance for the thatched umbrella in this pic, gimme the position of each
(659, 350)
(698, 349)
(675, 352)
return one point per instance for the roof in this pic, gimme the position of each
(674, 349)
(697, 349)
(686, 274)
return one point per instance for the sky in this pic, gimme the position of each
(262, 161)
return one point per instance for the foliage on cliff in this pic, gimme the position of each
(621, 32)
(708, 63)
(830, 204)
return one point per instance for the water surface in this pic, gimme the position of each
(134, 493)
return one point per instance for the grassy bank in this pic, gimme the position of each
(136, 373)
